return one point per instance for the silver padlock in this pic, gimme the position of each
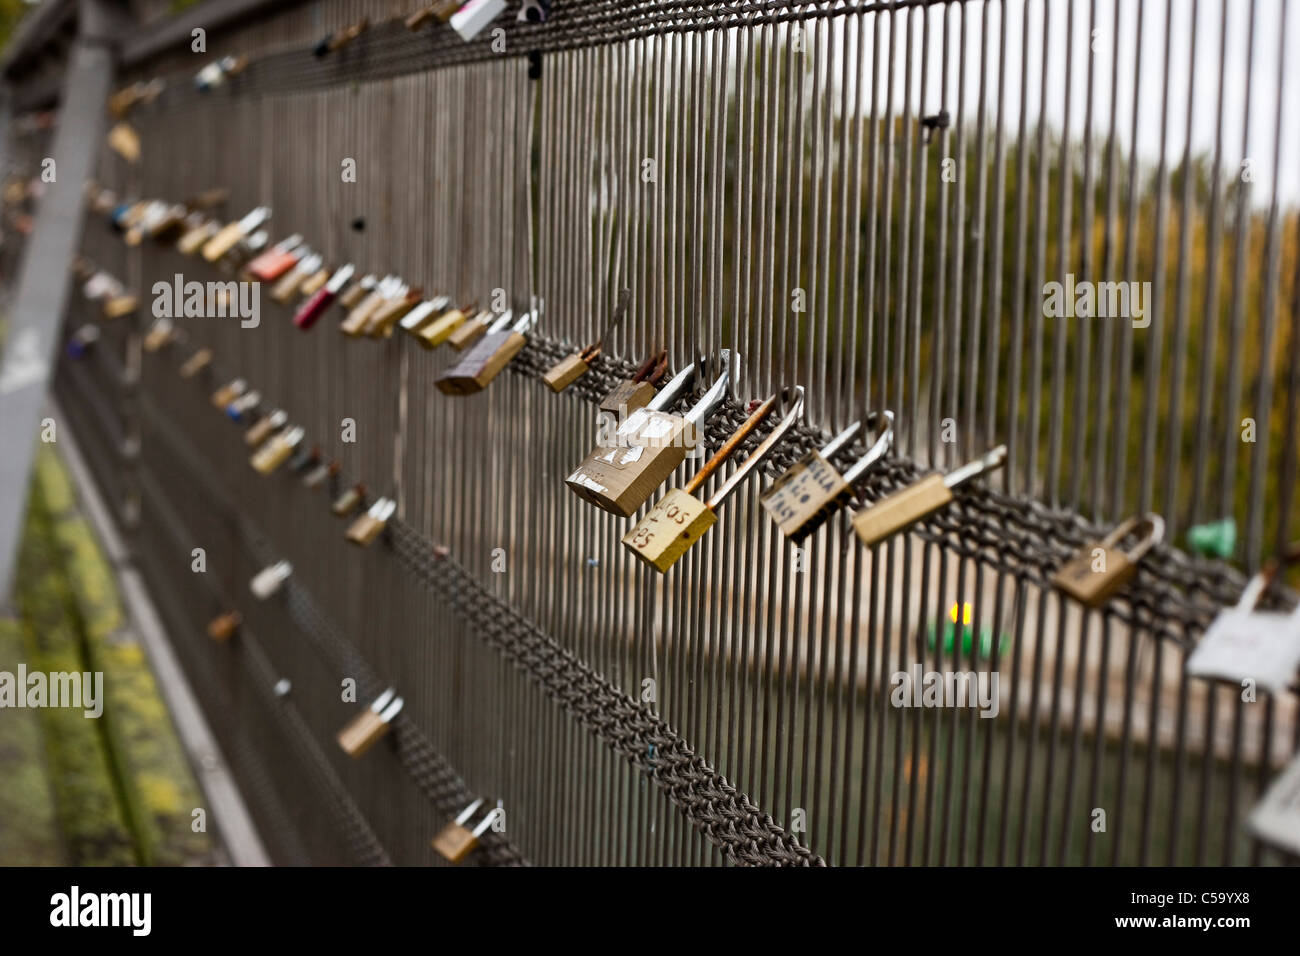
(1247, 644)
(267, 581)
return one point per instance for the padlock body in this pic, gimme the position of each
(260, 432)
(284, 289)
(454, 842)
(466, 335)
(440, 329)
(194, 239)
(364, 530)
(1095, 587)
(669, 529)
(156, 338)
(313, 283)
(1260, 646)
(271, 456)
(383, 319)
(627, 397)
(892, 514)
(270, 266)
(119, 306)
(353, 295)
(346, 503)
(480, 366)
(222, 242)
(361, 732)
(803, 498)
(356, 320)
(620, 478)
(221, 627)
(196, 363)
(565, 372)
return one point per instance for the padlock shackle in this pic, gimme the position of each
(1150, 524)
(884, 442)
(1260, 582)
(502, 321)
(770, 442)
(652, 368)
(673, 390)
(717, 392)
(468, 812)
(620, 312)
(380, 702)
(990, 460)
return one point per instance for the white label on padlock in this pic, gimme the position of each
(1276, 818)
(1262, 646)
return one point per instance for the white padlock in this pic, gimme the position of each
(1245, 644)
(267, 581)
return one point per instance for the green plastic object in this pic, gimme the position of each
(1216, 539)
(968, 639)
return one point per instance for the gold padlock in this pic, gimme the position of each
(471, 330)
(570, 368)
(357, 319)
(161, 333)
(420, 316)
(368, 527)
(353, 295)
(361, 733)
(221, 627)
(381, 321)
(456, 840)
(227, 393)
(276, 451)
(638, 391)
(287, 286)
(261, 429)
(314, 282)
(904, 508)
(679, 519)
(432, 334)
(484, 361)
(225, 239)
(1102, 568)
(196, 363)
(347, 502)
(621, 475)
(120, 305)
(803, 498)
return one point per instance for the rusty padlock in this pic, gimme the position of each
(638, 391)
(481, 364)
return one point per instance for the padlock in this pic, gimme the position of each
(277, 260)
(315, 307)
(221, 627)
(315, 478)
(803, 498)
(368, 527)
(227, 393)
(456, 840)
(358, 291)
(292, 281)
(196, 363)
(314, 282)
(638, 391)
(82, 340)
(225, 239)
(262, 429)
(649, 445)
(1244, 644)
(419, 18)
(196, 237)
(303, 459)
(276, 450)
(345, 36)
(361, 732)
(355, 322)
(476, 370)
(242, 405)
(381, 322)
(471, 330)
(161, 333)
(166, 224)
(679, 519)
(415, 320)
(270, 579)
(440, 329)
(471, 19)
(570, 368)
(120, 305)
(348, 502)
(897, 512)
(1102, 568)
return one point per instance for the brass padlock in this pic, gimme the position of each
(638, 391)
(418, 317)
(120, 305)
(161, 333)
(270, 579)
(1102, 568)
(225, 239)
(619, 477)
(456, 840)
(358, 291)
(227, 393)
(348, 502)
(382, 320)
(484, 361)
(197, 236)
(679, 519)
(902, 509)
(221, 627)
(355, 322)
(245, 403)
(261, 429)
(277, 260)
(196, 363)
(570, 368)
(368, 527)
(361, 732)
(812, 490)
(471, 330)
(314, 282)
(432, 334)
(345, 36)
(276, 451)
(285, 289)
